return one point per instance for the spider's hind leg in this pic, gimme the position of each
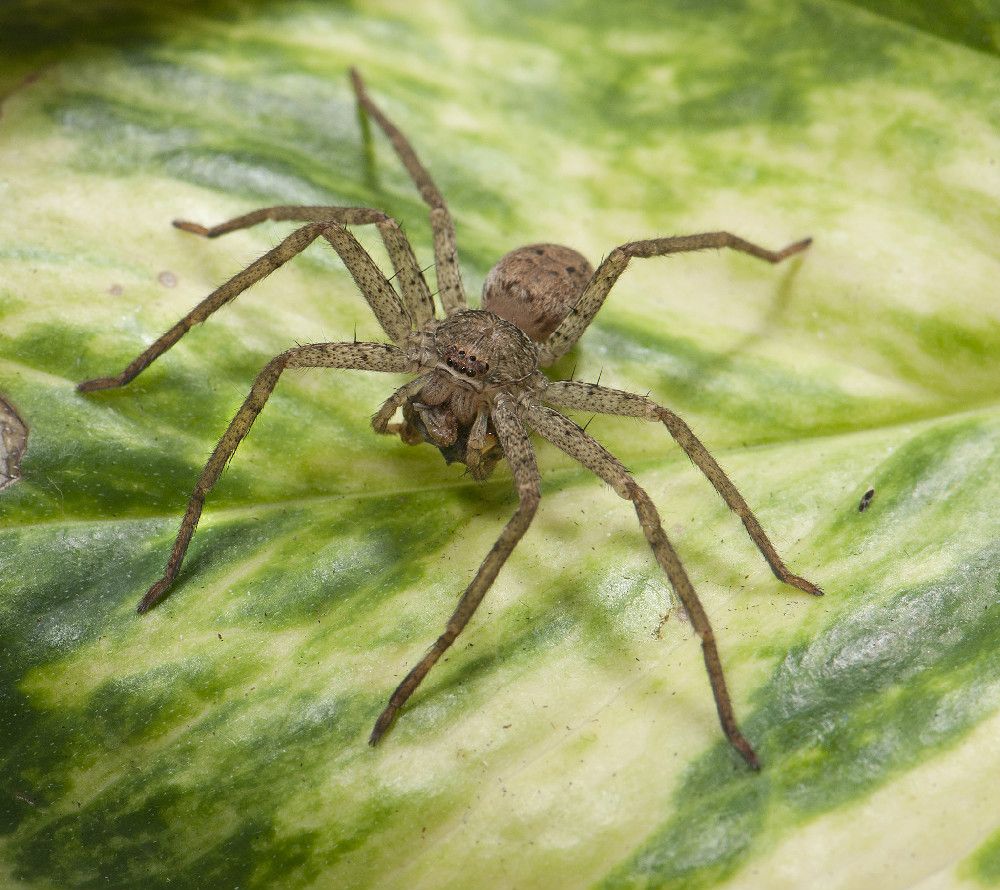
(561, 340)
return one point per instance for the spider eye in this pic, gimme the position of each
(472, 358)
(462, 352)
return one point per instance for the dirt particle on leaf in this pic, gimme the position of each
(167, 278)
(866, 500)
(116, 290)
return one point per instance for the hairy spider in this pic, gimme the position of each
(478, 390)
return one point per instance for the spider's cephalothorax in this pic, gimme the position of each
(478, 391)
(479, 354)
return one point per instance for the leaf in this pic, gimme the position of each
(220, 740)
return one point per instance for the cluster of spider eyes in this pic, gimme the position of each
(467, 365)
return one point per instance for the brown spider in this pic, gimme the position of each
(479, 389)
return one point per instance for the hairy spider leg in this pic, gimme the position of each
(521, 457)
(356, 356)
(374, 286)
(571, 438)
(561, 340)
(449, 276)
(602, 400)
(416, 293)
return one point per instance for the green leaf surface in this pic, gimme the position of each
(221, 739)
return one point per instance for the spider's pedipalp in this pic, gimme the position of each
(380, 421)
(604, 400)
(357, 356)
(582, 314)
(449, 276)
(521, 457)
(569, 437)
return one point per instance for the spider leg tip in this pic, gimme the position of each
(745, 750)
(803, 585)
(153, 596)
(98, 383)
(193, 227)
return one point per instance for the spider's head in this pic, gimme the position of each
(484, 350)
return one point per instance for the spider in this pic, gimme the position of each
(478, 388)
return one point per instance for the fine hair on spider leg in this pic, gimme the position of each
(477, 388)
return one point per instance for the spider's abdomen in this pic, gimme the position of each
(534, 287)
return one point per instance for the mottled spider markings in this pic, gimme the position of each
(478, 389)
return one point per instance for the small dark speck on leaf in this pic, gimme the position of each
(116, 290)
(220, 636)
(866, 500)
(167, 278)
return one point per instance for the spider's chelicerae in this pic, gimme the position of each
(478, 390)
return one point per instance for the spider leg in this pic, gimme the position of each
(416, 293)
(359, 356)
(569, 437)
(590, 397)
(373, 284)
(449, 277)
(521, 457)
(561, 340)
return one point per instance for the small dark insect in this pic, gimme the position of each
(478, 390)
(866, 500)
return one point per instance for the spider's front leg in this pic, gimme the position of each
(357, 356)
(521, 457)
(374, 286)
(603, 400)
(416, 294)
